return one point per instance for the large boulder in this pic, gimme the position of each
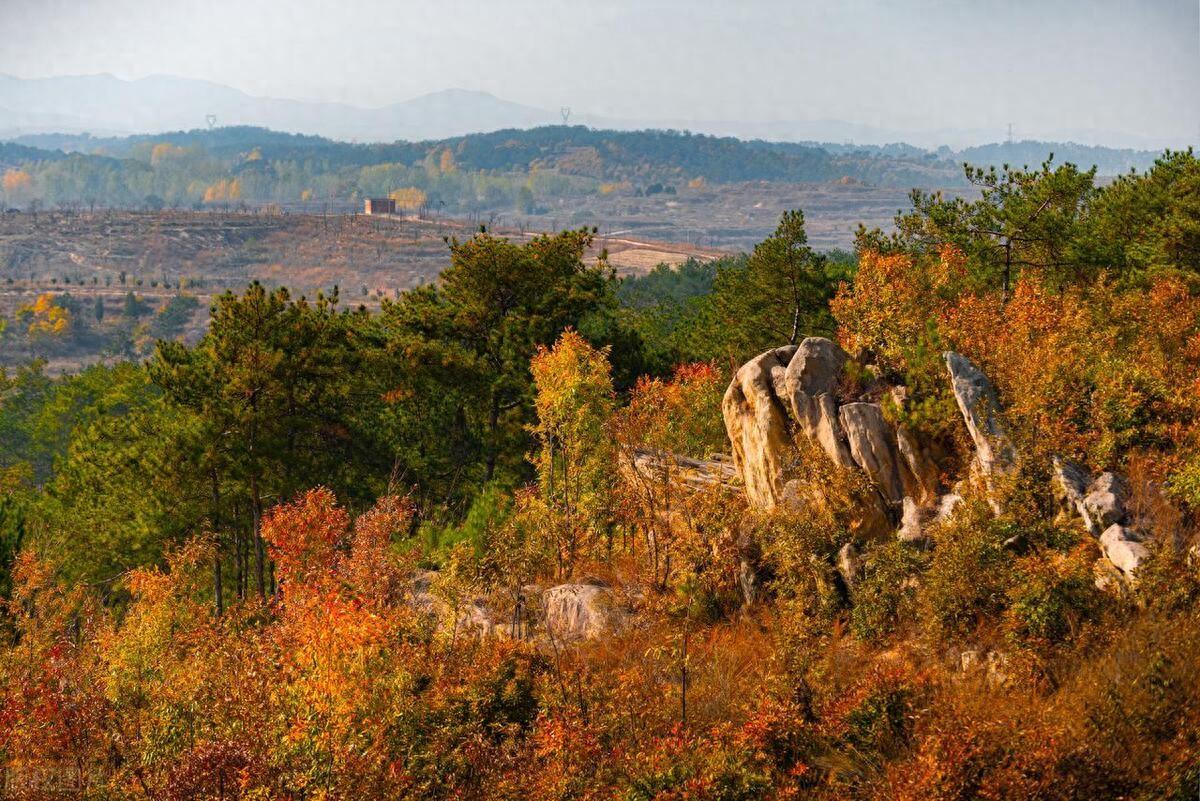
(980, 409)
(1124, 549)
(757, 424)
(574, 612)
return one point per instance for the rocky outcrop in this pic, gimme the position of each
(1101, 504)
(980, 409)
(793, 392)
(574, 612)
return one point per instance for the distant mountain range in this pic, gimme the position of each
(104, 105)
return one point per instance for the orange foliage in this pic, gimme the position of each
(16, 182)
(894, 297)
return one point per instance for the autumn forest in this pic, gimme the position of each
(916, 522)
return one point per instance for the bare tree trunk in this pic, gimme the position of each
(493, 426)
(218, 590)
(683, 673)
(260, 556)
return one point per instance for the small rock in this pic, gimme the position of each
(921, 476)
(912, 523)
(848, 564)
(946, 507)
(1106, 576)
(1069, 486)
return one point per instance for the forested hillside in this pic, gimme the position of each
(916, 522)
(512, 169)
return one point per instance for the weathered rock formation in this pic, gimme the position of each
(1101, 504)
(792, 392)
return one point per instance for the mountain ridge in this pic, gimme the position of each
(160, 103)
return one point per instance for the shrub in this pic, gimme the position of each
(969, 574)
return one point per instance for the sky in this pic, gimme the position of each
(1045, 66)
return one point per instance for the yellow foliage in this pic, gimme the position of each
(446, 163)
(697, 183)
(620, 186)
(46, 317)
(164, 151)
(409, 197)
(306, 195)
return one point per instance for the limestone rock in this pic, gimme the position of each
(946, 506)
(1124, 549)
(574, 612)
(873, 447)
(790, 392)
(757, 426)
(1104, 504)
(977, 401)
(816, 367)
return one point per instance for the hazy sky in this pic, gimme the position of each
(1044, 65)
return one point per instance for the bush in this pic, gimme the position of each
(885, 594)
(969, 574)
(1054, 594)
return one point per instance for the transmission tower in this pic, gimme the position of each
(211, 119)
(566, 114)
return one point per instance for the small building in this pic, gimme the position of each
(379, 205)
